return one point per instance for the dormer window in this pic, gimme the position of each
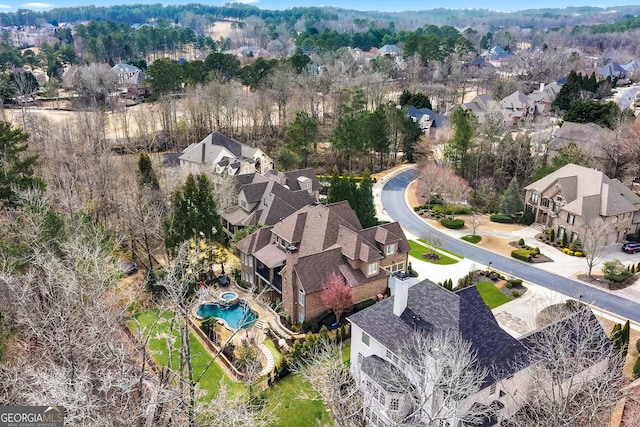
(390, 249)
(372, 268)
(243, 204)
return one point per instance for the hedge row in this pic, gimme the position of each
(522, 254)
(501, 218)
(453, 224)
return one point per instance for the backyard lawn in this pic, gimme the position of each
(287, 399)
(417, 249)
(159, 350)
(491, 295)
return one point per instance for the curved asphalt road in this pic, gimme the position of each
(393, 200)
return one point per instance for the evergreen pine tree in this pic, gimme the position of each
(146, 175)
(366, 206)
(511, 203)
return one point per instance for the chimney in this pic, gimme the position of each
(541, 86)
(399, 284)
(204, 147)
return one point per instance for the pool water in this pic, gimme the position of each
(237, 316)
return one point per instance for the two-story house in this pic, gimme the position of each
(573, 195)
(378, 347)
(219, 154)
(266, 199)
(430, 121)
(291, 260)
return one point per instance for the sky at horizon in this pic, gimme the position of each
(369, 5)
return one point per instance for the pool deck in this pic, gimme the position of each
(257, 332)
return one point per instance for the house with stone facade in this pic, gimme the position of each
(379, 334)
(219, 154)
(267, 199)
(573, 195)
(291, 260)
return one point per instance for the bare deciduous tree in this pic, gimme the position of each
(476, 220)
(593, 235)
(574, 375)
(330, 378)
(438, 371)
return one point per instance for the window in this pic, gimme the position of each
(492, 390)
(360, 358)
(301, 297)
(534, 197)
(545, 202)
(614, 219)
(243, 203)
(390, 249)
(394, 405)
(571, 219)
(372, 268)
(246, 259)
(365, 339)
(394, 268)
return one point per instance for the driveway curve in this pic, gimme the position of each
(393, 200)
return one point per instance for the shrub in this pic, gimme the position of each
(578, 254)
(633, 237)
(453, 224)
(615, 271)
(552, 234)
(509, 285)
(576, 245)
(501, 218)
(521, 242)
(527, 217)
(569, 252)
(636, 369)
(494, 276)
(521, 254)
(515, 294)
(516, 283)
(564, 240)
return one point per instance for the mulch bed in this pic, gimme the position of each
(431, 256)
(535, 260)
(599, 280)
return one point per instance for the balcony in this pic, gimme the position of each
(271, 278)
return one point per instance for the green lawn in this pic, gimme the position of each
(418, 249)
(441, 249)
(200, 357)
(286, 400)
(472, 238)
(491, 295)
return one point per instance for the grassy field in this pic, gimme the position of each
(491, 295)
(159, 349)
(418, 249)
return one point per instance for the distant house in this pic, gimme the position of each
(613, 70)
(379, 332)
(220, 154)
(573, 195)
(290, 261)
(517, 106)
(251, 52)
(429, 120)
(543, 98)
(389, 50)
(268, 199)
(128, 74)
(480, 105)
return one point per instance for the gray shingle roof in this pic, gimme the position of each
(433, 308)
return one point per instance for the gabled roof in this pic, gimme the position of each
(613, 69)
(586, 136)
(214, 144)
(588, 192)
(291, 178)
(125, 69)
(516, 101)
(437, 120)
(431, 308)
(389, 48)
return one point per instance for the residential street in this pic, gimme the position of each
(554, 276)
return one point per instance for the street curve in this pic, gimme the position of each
(393, 200)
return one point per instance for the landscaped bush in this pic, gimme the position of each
(578, 254)
(615, 271)
(515, 294)
(458, 210)
(514, 283)
(633, 237)
(453, 224)
(363, 304)
(501, 218)
(521, 242)
(522, 255)
(527, 217)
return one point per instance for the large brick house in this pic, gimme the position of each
(567, 198)
(378, 348)
(291, 260)
(266, 199)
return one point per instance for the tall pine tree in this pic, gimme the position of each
(366, 209)
(511, 203)
(193, 213)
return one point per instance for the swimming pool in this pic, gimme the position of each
(236, 316)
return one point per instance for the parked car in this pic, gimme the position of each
(631, 247)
